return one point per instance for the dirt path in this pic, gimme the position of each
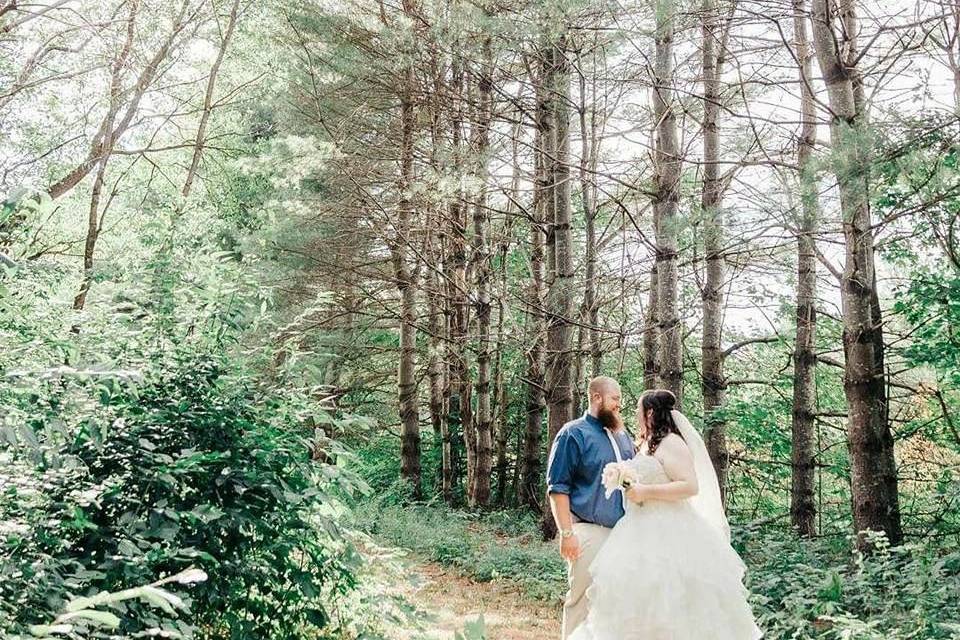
(447, 602)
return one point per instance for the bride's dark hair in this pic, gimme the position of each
(660, 423)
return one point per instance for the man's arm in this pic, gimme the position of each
(560, 507)
(563, 455)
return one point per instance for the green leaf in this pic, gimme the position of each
(104, 618)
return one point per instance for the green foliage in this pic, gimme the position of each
(158, 450)
(931, 303)
(82, 618)
(807, 590)
(195, 469)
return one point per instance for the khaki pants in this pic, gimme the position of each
(576, 605)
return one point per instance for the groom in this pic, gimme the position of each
(584, 515)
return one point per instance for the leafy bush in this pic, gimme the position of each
(84, 617)
(804, 589)
(161, 448)
(193, 467)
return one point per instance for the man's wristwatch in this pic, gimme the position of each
(566, 533)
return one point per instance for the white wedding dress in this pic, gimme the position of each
(666, 572)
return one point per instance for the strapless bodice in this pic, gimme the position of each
(648, 469)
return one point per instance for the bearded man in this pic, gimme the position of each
(583, 513)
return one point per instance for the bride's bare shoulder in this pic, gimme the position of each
(674, 444)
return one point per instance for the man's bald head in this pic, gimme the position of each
(602, 385)
(605, 399)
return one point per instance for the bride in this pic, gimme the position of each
(667, 570)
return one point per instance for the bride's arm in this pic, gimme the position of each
(677, 461)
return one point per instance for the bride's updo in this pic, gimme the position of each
(659, 423)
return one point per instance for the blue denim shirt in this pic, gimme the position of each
(579, 453)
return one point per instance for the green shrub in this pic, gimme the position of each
(86, 617)
(805, 589)
(193, 467)
(162, 447)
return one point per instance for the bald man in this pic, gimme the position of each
(584, 515)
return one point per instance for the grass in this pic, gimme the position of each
(484, 547)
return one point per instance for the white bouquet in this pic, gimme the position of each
(618, 476)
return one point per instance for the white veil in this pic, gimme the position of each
(707, 502)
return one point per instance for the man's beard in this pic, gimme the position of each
(609, 419)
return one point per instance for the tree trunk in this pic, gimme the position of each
(460, 384)
(503, 438)
(875, 498)
(713, 382)
(589, 311)
(437, 301)
(208, 100)
(531, 483)
(560, 295)
(667, 164)
(436, 326)
(451, 419)
(480, 495)
(803, 455)
(651, 321)
(93, 234)
(104, 143)
(502, 410)
(406, 284)
(560, 292)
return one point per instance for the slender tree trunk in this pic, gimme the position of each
(560, 294)
(713, 382)
(436, 327)
(93, 234)
(589, 311)
(448, 426)
(208, 99)
(503, 437)
(460, 383)
(103, 144)
(517, 468)
(481, 261)
(803, 510)
(579, 356)
(437, 300)
(406, 284)
(667, 178)
(875, 498)
(531, 482)
(503, 401)
(651, 321)
(409, 414)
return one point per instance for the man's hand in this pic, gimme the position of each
(570, 547)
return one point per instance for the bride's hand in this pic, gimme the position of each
(637, 493)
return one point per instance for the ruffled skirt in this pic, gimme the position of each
(665, 574)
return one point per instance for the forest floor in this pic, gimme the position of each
(448, 602)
